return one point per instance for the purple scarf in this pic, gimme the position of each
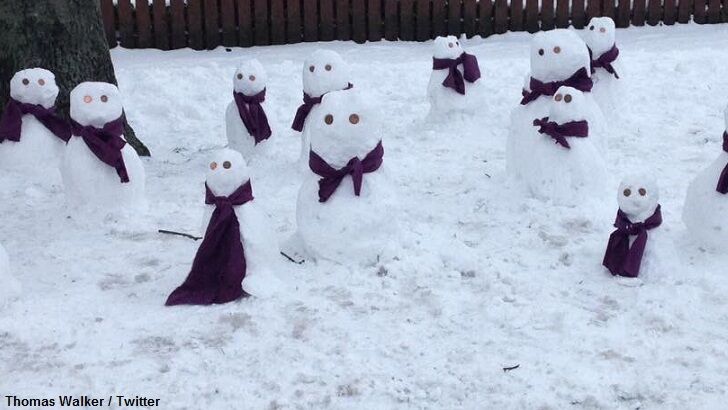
(579, 80)
(219, 267)
(454, 80)
(12, 120)
(605, 60)
(622, 259)
(331, 177)
(723, 180)
(306, 107)
(253, 115)
(559, 132)
(106, 143)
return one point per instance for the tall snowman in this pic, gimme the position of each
(346, 210)
(706, 204)
(32, 135)
(606, 65)
(455, 79)
(238, 255)
(323, 71)
(101, 172)
(246, 120)
(558, 58)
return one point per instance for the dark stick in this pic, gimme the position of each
(291, 259)
(186, 235)
(508, 369)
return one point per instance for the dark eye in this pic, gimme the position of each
(457, 42)
(557, 49)
(451, 45)
(226, 164)
(312, 68)
(602, 30)
(627, 192)
(642, 191)
(591, 28)
(251, 78)
(240, 76)
(104, 98)
(558, 97)
(567, 98)
(329, 119)
(213, 165)
(328, 67)
(26, 81)
(540, 51)
(354, 119)
(41, 82)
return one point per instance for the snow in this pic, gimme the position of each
(484, 278)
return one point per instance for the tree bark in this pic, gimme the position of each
(63, 36)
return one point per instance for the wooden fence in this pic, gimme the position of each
(200, 24)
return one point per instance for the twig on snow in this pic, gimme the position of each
(186, 235)
(508, 369)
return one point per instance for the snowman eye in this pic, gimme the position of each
(457, 42)
(627, 192)
(603, 30)
(591, 28)
(104, 98)
(354, 119)
(240, 76)
(312, 68)
(213, 165)
(642, 191)
(251, 78)
(226, 164)
(26, 81)
(87, 99)
(329, 119)
(328, 67)
(451, 45)
(567, 98)
(558, 97)
(540, 51)
(41, 82)
(557, 49)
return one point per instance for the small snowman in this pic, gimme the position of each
(599, 36)
(706, 204)
(454, 81)
(346, 210)
(323, 71)
(566, 166)
(9, 286)
(32, 135)
(246, 120)
(238, 253)
(634, 247)
(101, 172)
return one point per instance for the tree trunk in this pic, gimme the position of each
(63, 36)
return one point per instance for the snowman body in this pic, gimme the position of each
(444, 100)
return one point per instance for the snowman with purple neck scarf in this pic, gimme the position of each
(607, 68)
(247, 119)
(454, 84)
(558, 58)
(9, 286)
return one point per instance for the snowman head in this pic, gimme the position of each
(35, 86)
(226, 172)
(557, 54)
(599, 35)
(250, 78)
(638, 197)
(447, 47)
(95, 104)
(324, 71)
(345, 127)
(567, 105)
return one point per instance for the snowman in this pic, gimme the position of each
(636, 247)
(9, 286)
(101, 172)
(246, 121)
(706, 204)
(558, 58)
(566, 167)
(323, 71)
(32, 135)
(454, 82)
(238, 254)
(606, 67)
(346, 209)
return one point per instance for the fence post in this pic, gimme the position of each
(532, 15)
(194, 24)
(638, 12)
(374, 16)
(107, 15)
(578, 17)
(359, 21)
(326, 20)
(670, 12)
(547, 15)
(406, 20)
(161, 29)
(177, 11)
(439, 28)
(227, 15)
(469, 17)
(454, 15)
(516, 9)
(391, 23)
(562, 13)
(143, 24)
(293, 21)
(423, 19)
(683, 12)
(277, 22)
(501, 16)
(485, 18)
(714, 11)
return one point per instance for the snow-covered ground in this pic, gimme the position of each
(484, 278)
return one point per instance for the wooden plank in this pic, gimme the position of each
(547, 15)
(638, 12)
(608, 9)
(500, 12)
(227, 19)
(343, 24)
(454, 15)
(670, 12)
(593, 9)
(310, 20)
(143, 24)
(654, 12)
(699, 11)
(470, 10)
(358, 21)
(177, 11)
(485, 18)
(532, 16)
(107, 16)
(516, 15)
(624, 11)
(406, 20)
(391, 19)
(439, 20)
(161, 28)
(562, 13)
(212, 26)
(423, 19)
(293, 20)
(683, 11)
(326, 20)
(126, 24)
(194, 24)
(375, 19)
(277, 22)
(578, 16)
(714, 11)
(260, 23)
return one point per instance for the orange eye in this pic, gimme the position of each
(567, 98)
(26, 81)
(557, 49)
(41, 82)
(226, 164)
(627, 192)
(87, 99)
(558, 97)
(251, 78)
(312, 68)
(540, 51)
(104, 98)
(213, 165)
(354, 119)
(328, 67)
(642, 191)
(329, 119)
(240, 76)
